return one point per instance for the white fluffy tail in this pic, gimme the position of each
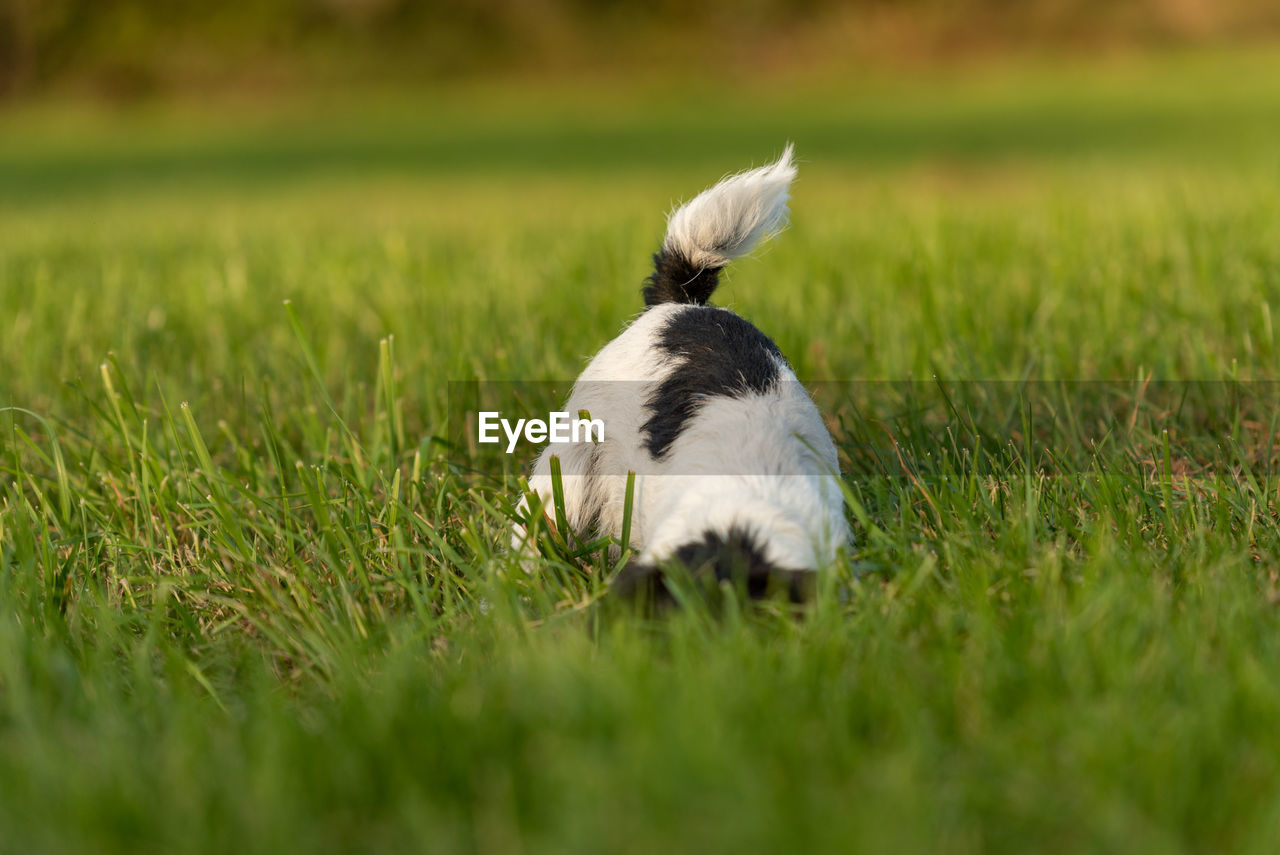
(734, 217)
(717, 226)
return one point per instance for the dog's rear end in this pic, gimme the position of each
(736, 474)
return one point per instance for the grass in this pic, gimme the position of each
(253, 597)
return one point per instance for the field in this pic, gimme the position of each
(254, 598)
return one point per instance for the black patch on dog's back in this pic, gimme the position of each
(676, 280)
(718, 353)
(734, 558)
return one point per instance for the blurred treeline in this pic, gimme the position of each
(127, 48)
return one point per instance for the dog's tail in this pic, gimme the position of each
(718, 225)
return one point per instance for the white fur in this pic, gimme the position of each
(733, 217)
(759, 462)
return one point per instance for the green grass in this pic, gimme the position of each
(251, 598)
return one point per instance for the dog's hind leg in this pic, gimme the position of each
(581, 487)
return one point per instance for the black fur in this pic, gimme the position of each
(676, 280)
(718, 353)
(735, 558)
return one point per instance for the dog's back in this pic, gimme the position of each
(736, 474)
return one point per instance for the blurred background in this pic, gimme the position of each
(289, 86)
(170, 170)
(130, 49)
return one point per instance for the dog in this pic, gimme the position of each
(737, 476)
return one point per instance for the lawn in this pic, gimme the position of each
(253, 590)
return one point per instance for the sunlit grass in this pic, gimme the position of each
(253, 597)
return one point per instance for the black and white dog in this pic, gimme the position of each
(736, 474)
